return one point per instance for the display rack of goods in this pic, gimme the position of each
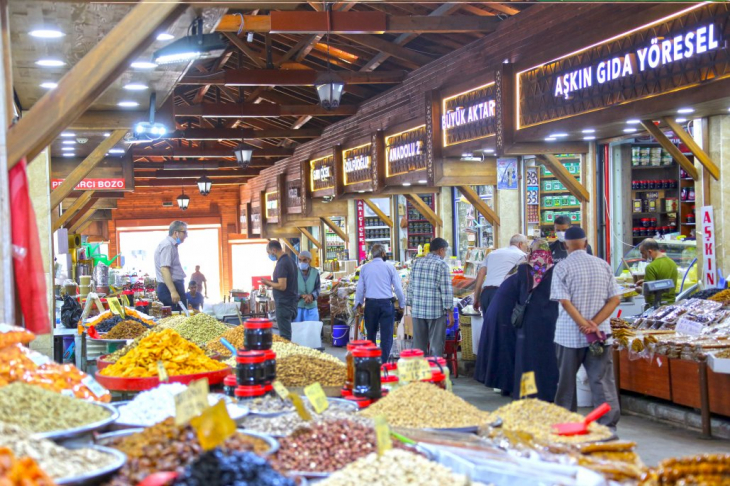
(420, 231)
(335, 247)
(376, 231)
(555, 199)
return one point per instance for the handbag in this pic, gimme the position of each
(518, 313)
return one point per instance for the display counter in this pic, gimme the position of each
(682, 252)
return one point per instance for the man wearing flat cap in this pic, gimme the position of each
(308, 289)
(587, 291)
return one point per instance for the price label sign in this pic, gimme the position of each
(192, 402)
(115, 306)
(213, 426)
(414, 370)
(299, 405)
(382, 434)
(280, 390)
(527, 384)
(689, 327)
(317, 397)
(94, 386)
(162, 372)
(125, 300)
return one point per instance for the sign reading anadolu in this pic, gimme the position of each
(94, 184)
(667, 55)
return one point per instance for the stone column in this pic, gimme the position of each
(719, 151)
(445, 209)
(509, 209)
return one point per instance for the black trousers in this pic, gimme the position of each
(485, 298)
(163, 293)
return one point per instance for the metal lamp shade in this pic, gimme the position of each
(204, 185)
(329, 89)
(243, 155)
(183, 201)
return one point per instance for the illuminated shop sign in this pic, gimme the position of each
(356, 164)
(404, 151)
(469, 116)
(680, 51)
(322, 173)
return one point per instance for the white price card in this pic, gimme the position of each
(689, 327)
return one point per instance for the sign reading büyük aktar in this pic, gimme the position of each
(677, 52)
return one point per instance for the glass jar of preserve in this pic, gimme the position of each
(269, 366)
(406, 357)
(349, 360)
(251, 369)
(367, 372)
(229, 385)
(258, 334)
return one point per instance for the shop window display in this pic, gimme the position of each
(471, 229)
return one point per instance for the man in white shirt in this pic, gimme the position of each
(495, 268)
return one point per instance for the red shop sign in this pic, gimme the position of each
(362, 253)
(93, 184)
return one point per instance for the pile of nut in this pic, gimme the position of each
(269, 404)
(284, 350)
(707, 470)
(233, 336)
(303, 370)
(395, 468)
(287, 423)
(201, 329)
(424, 405)
(325, 447)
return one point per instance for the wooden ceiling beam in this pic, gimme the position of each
(481, 206)
(667, 145)
(259, 110)
(407, 57)
(309, 236)
(561, 173)
(162, 182)
(80, 202)
(89, 78)
(425, 210)
(274, 77)
(243, 133)
(250, 53)
(335, 228)
(108, 120)
(219, 63)
(696, 150)
(196, 174)
(88, 206)
(198, 153)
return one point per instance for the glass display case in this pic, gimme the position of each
(683, 252)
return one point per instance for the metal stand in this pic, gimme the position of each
(705, 399)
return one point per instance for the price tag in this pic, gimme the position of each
(125, 300)
(414, 370)
(162, 372)
(382, 434)
(299, 405)
(191, 402)
(115, 306)
(527, 384)
(39, 359)
(317, 398)
(94, 386)
(214, 426)
(689, 327)
(280, 390)
(68, 393)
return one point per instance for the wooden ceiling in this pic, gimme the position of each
(289, 114)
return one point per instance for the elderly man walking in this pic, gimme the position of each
(309, 287)
(495, 268)
(168, 270)
(378, 281)
(585, 287)
(431, 298)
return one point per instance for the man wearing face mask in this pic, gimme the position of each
(284, 284)
(309, 285)
(168, 270)
(431, 298)
(660, 267)
(558, 247)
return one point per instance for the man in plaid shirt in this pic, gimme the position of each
(431, 299)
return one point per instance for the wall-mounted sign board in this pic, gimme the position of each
(406, 155)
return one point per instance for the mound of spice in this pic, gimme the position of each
(326, 446)
(423, 405)
(168, 447)
(233, 336)
(56, 461)
(178, 355)
(39, 410)
(303, 370)
(21, 472)
(126, 330)
(201, 328)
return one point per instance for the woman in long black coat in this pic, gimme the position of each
(535, 348)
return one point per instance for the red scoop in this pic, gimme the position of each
(159, 479)
(581, 428)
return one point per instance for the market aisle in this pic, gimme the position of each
(656, 441)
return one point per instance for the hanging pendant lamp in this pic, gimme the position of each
(183, 201)
(204, 185)
(328, 84)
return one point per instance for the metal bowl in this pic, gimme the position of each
(95, 477)
(59, 435)
(236, 411)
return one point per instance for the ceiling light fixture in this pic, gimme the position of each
(68, 134)
(685, 111)
(135, 87)
(590, 137)
(67, 149)
(165, 37)
(328, 84)
(589, 130)
(204, 185)
(423, 181)
(194, 46)
(243, 154)
(69, 154)
(633, 121)
(116, 151)
(128, 104)
(680, 120)
(549, 139)
(183, 201)
(488, 151)
(629, 130)
(406, 184)
(49, 85)
(559, 135)
(150, 130)
(50, 62)
(69, 142)
(143, 65)
(46, 33)
(107, 134)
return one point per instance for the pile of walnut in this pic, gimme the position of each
(705, 470)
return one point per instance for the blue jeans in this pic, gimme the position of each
(163, 293)
(307, 314)
(380, 313)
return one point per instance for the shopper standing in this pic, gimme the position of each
(284, 285)
(200, 280)
(558, 247)
(195, 299)
(308, 285)
(431, 298)
(495, 268)
(378, 280)
(168, 270)
(660, 267)
(585, 287)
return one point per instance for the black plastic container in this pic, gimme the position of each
(258, 334)
(367, 372)
(251, 368)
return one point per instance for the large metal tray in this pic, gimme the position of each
(59, 435)
(236, 411)
(95, 477)
(140, 384)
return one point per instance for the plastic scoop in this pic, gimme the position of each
(158, 479)
(230, 346)
(581, 428)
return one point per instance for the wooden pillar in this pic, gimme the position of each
(7, 298)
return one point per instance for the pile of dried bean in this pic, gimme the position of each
(303, 370)
(126, 330)
(284, 350)
(423, 405)
(200, 329)
(167, 447)
(287, 423)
